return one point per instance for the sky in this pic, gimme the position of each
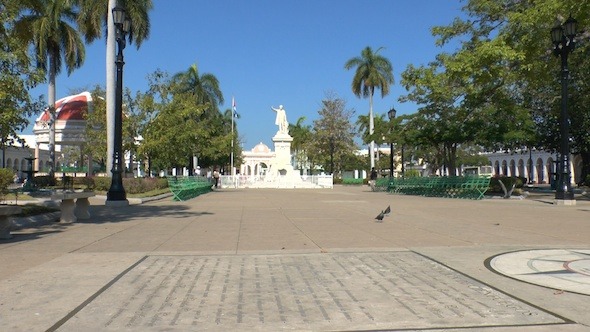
(267, 53)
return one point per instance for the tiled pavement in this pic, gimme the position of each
(303, 260)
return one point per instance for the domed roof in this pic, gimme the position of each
(69, 108)
(261, 148)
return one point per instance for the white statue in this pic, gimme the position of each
(281, 120)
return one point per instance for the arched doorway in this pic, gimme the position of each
(539, 170)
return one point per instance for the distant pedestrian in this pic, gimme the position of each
(373, 179)
(216, 177)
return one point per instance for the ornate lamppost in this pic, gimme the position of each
(116, 194)
(562, 37)
(391, 115)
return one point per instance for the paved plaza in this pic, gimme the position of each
(303, 260)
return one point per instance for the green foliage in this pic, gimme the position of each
(411, 173)
(141, 185)
(6, 178)
(351, 181)
(102, 183)
(333, 134)
(17, 76)
(178, 113)
(131, 185)
(44, 181)
(507, 181)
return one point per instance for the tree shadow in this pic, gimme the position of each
(100, 214)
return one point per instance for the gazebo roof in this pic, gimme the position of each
(69, 108)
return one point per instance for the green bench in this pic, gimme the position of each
(468, 187)
(187, 187)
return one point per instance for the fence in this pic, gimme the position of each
(304, 181)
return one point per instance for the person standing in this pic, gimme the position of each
(373, 178)
(216, 177)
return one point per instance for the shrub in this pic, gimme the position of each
(131, 185)
(508, 181)
(102, 183)
(44, 181)
(6, 178)
(411, 173)
(351, 181)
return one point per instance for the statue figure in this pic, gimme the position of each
(281, 120)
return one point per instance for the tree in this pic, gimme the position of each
(173, 117)
(301, 140)
(515, 35)
(48, 25)
(95, 133)
(373, 71)
(204, 87)
(95, 14)
(17, 75)
(333, 133)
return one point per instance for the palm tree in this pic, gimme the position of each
(301, 137)
(205, 87)
(372, 72)
(47, 25)
(96, 14)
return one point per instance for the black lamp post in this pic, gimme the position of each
(116, 193)
(391, 115)
(562, 37)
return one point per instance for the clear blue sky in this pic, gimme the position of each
(268, 52)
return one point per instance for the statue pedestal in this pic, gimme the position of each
(282, 171)
(282, 150)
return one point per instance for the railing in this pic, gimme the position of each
(304, 181)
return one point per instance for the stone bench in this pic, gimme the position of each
(5, 223)
(74, 205)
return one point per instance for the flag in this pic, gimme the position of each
(233, 105)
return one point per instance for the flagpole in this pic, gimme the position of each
(233, 108)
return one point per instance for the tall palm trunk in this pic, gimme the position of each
(110, 85)
(371, 130)
(52, 117)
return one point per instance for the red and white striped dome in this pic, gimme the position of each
(69, 108)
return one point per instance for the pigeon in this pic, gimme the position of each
(387, 211)
(380, 216)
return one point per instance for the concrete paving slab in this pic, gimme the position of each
(345, 291)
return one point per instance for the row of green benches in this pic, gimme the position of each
(187, 187)
(471, 187)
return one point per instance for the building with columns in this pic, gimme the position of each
(70, 126)
(257, 161)
(532, 164)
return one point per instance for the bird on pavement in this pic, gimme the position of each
(380, 216)
(387, 211)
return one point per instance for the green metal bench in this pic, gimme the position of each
(469, 187)
(184, 188)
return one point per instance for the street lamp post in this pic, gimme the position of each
(391, 115)
(562, 37)
(116, 194)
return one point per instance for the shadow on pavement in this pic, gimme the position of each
(105, 214)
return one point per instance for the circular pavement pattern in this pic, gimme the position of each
(562, 269)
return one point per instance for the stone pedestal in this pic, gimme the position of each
(5, 222)
(282, 160)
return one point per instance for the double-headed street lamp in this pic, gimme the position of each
(562, 37)
(116, 194)
(391, 115)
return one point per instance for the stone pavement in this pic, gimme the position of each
(303, 260)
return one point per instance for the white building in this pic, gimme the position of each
(536, 165)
